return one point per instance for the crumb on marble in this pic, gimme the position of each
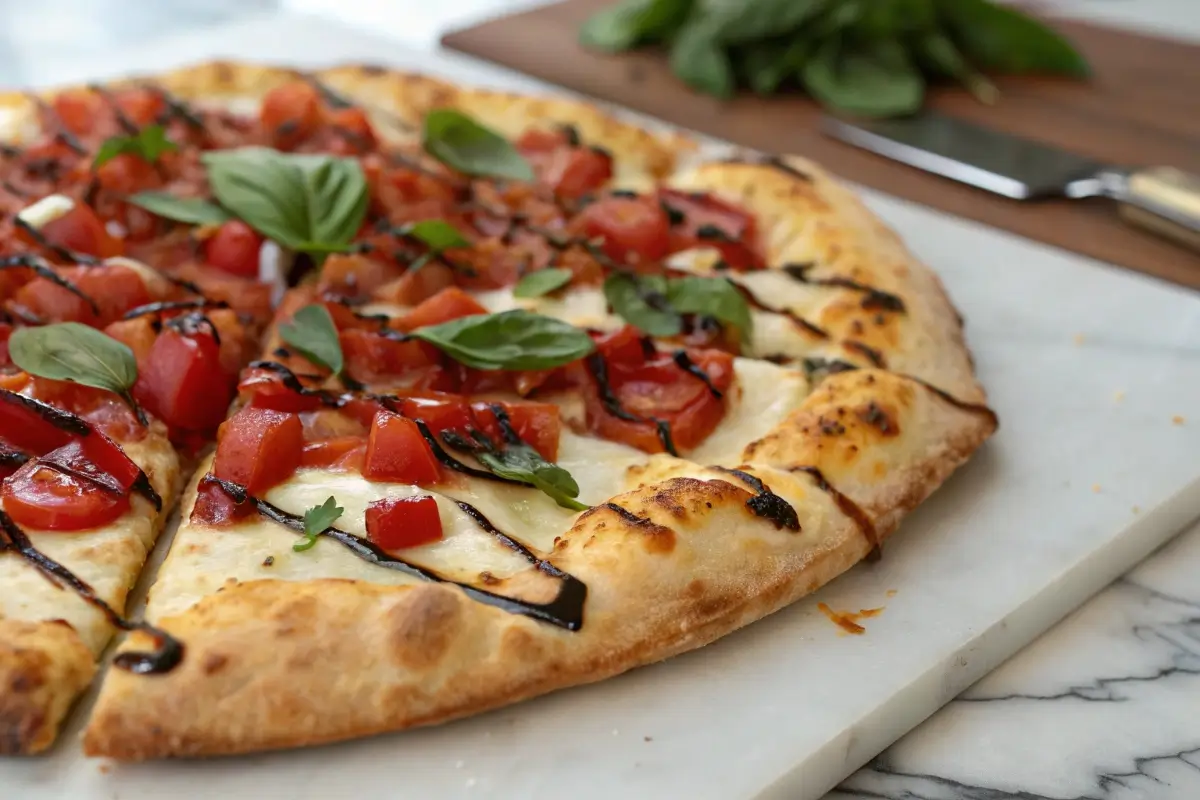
(1177, 420)
(1079, 338)
(892, 592)
(647, 739)
(1137, 509)
(104, 768)
(1096, 488)
(1118, 396)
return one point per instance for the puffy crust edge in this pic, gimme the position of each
(43, 667)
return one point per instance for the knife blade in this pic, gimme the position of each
(1162, 199)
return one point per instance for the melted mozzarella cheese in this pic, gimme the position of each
(43, 212)
(763, 395)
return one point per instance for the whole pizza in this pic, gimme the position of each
(462, 397)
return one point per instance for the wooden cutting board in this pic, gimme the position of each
(1141, 107)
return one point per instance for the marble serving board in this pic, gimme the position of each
(1096, 376)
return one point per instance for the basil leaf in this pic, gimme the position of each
(745, 21)
(520, 462)
(313, 204)
(464, 145)
(698, 59)
(765, 66)
(871, 80)
(544, 281)
(312, 333)
(148, 144)
(632, 22)
(436, 234)
(713, 297)
(316, 520)
(192, 210)
(69, 351)
(510, 340)
(1003, 39)
(939, 56)
(642, 302)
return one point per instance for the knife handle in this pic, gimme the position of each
(1164, 200)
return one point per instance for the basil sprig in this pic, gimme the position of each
(316, 520)
(544, 281)
(520, 462)
(148, 144)
(868, 57)
(510, 340)
(436, 234)
(313, 334)
(192, 210)
(69, 351)
(655, 304)
(308, 203)
(464, 145)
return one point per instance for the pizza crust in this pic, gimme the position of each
(266, 661)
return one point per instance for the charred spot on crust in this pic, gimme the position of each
(765, 503)
(830, 427)
(877, 418)
(658, 538)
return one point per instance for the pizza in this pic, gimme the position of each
(462, 397)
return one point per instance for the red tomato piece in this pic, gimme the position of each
(396, 452)
(635, 229)
(396, 523)
(182, 381)
(25, 428)
(537, 424)
(355, 275)
(265, 389)
(82, 231)
(412, 288)
(41, 496)
(291, 113)
(127, 173)
(329, 453)
(79, 110)
(141, 105)
(352, 130)
(114, 289)
(234, 249)
(570, 170)
(445, 413)
(137, 334)
(371, 357)
(258, 448)
(448, 304)
(5, 333)
(710, 221)
(96, 458)
(215, 507)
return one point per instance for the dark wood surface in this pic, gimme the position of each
(1141, 107)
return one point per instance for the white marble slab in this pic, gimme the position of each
(1087, 366)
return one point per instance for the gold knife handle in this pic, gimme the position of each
(1164, 200)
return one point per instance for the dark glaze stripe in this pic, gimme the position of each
(627, 515)
(119, 114)
(564, 611)
(61, 252)
(453, 463)
(289, 379)
(14, 191)
(76, 426)
(847, 506)
(875, 299)
(598, 368)
(173, 305)
(795, 318)
(974, 408)
(169, 650)
(60, 130)
(11, 458)
(870, 353)
(765, 503)
(778, 163)
(687, 365)
(818, 369)
(175, 107)
(43, 270)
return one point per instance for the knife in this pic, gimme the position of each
(1164, 200)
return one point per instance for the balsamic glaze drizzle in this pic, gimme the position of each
(598, 368)
(686, 364)
(871, 354)
(60, 130)
(172, 305)
(818, 369)
(61, 252)
(847, 506)
(119, 114)
(873, 300)
(169, 650)
(43, 270)
(765, 503)
(175, 107)
(564, 611)
(796, 319)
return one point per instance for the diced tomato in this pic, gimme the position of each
(40, 496)
(79, 110)
(258, 448)
(137, 334)
(354, 275)
(215, 507)
(371, 358)
(570, 170)
(408, 195)
(234, 249)
(621, 347)
(141, 105)
(82, 231)
(235, 344)
(291, 113)
(97, 458)
(412, 287)
(5, 333)
(25, 427)
(709, 221)
(330, 453)
(243, 295)
(352, 130)
(444, 306)
(265, 389)
(635, 229)
(439, 413)
(396, 523)
(537, 424)
(115, 289)
(127, 173)
(396, 452)
(183, 383)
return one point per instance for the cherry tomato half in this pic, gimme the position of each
(40, 496)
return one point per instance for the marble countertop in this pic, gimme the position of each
(1104, 705)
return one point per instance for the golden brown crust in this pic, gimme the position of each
(275, 664)
(43, 667)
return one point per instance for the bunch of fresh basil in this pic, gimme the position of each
(865, 57)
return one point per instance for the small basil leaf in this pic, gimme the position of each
(520, 462)
(148, 144)
(765, 66)
(192, 210)
(510, 340)
(436, 234)
(874, 80)
(69, 351)
(312, 333)
(750, 20)
(697, 58)
(544, 281)
(338, 195)
(713, 297)
(642, 302)
(939, 56)
(316, 520)
(464, 145)
(632, 22)
(995, 37)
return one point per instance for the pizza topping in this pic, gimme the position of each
(182, 381)
(438, 235)
(510, 340)
(337, 453)
(55, 494)
(397, 523)
(562, 163)
(46, 210)
(542, 282)
(146, 144)
(319, 518)
(234, 248)
(708, 221)
(397, 452)
(658, 305)
(192, 210)
(312, 333)
(258, 448)
(291, 113)
(635, 230)
(78, 231)
(765, 503)
(464, 145)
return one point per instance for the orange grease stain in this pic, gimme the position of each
(848, 620)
